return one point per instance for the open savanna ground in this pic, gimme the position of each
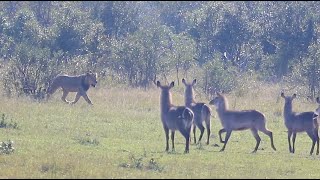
(121, 136)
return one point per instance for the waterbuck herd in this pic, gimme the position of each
(194, 114)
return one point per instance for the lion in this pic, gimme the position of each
(79, 84)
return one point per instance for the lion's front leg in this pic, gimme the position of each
(85, 96)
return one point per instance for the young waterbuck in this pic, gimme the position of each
(299, 122)
(202, 112)
(240, 120)
(174, 117)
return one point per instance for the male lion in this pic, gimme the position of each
(79, 84)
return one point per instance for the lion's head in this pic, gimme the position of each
(91, 78)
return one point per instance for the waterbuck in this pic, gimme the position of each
(239, 120)
(201, 111)
(174, 117)
(299, 122)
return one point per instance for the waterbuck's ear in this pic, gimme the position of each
(158, 84)
(282, 95)
(219, 94)
(184, 81)
(318, 100)
(194, 82)
(294, 95)
(171, 84)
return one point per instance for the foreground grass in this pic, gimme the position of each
(121, 136)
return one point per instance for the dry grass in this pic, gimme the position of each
(121, 136)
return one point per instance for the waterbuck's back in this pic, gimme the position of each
(240, 120)
(197, 109)
(302, 121)
(177, 118)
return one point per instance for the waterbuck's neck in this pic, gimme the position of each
(165, 100)
(222, 105)
(189, 95)
(287, 112)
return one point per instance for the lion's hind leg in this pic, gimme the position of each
(52, 88)
(64, 95)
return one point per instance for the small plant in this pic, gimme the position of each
(6, 147)
(137, 162)
(153, 165)
(87, 140)
(134, 162)
(5, 124)
(199, 146)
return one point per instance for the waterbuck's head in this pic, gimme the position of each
(165, 87)
(189, 91)
(189, 85)
(165, 96)
(219, 101)
(317, 111)
(288, 99)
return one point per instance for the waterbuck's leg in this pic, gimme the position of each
(269, 133)
(166, 130)
(317, 139)
(226, 140)
(187, 143)
(289, 140)
(172, 139)
(208, 125)
(194, 133)
(313, 137)
(220, 132)
(201, 127)
(257, 137)
(293, 141)
(186, 135)
(64, 95)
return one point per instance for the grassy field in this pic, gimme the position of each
(121, 136)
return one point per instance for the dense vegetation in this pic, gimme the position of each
(134, 43)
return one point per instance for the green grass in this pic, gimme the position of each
(121, 136)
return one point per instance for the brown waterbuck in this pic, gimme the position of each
(240, 120)
(299, 122)
(202, 112)
(174, 117)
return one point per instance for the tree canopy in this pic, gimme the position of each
(135, 42)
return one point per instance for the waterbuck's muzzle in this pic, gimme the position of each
(316, 113)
